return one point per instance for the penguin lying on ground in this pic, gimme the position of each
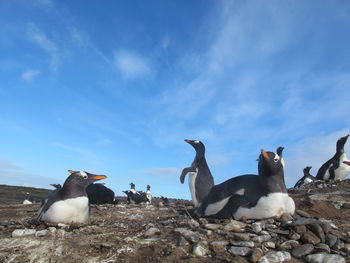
(100, 194)
(28, 199)
(338, 167)
(135, 197)
(201, 180)
(70, 203)
(306, 179)
(252, 196)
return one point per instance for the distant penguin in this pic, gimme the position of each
(135, 197)
(100, 194)
(149, 194)
(252, 196)
(28, 200)
(70, 203)
(338, 167)
(306, 179)
(201, 180)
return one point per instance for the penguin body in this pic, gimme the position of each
(100, 194)
(135, 197)
(306, 179)
(338, 167)
(70, 203)
(252, 196)
(200, 178)
(149, 194)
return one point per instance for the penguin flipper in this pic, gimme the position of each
(185, 171)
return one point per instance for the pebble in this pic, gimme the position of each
(257, 227)
(234, 226)
(331, 240)
(41, 233)
(151, 232)
(257, 253)
(240, 251)
(219, 247)
(23, 232)
(199, 249)
(275, 257)
(187, 234)
(325, 258)
(290, 244)
(318, 231)
(212, 226)
(302, 213)
(302, 251)
(319, 248)
(261, 239)
(294, 236)
(309, 237)
(243, 244)
(269, 244)
(193, 223)
(240, 236)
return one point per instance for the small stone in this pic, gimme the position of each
(302, 250)
(310, 238)
(203, 221)
(52, 230)
(23, 232)
(188, 234)
(181, 241)
(41, 233)
(243, 244)
(318, 231)
(240, 251)
(257, 227)
(302, 213)
(325, 258)
(240, 236)
(288, 245)
(261, 239)
(199, 249)
(269, 244)
(212, 226)
(219, 247)
(338, 204)
(294, 236)
(286, 218)
(300, 229)
(331, 240)
(151, 232)
(275, 257)
(193, 223)
(234, 226)
(322, 248)
(257, 253)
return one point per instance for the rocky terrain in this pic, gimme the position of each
(318, 232)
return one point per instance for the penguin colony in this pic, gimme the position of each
(254, 196)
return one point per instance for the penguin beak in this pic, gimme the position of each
(99, 177)
(265, 154)
(188, 141)
(71, 171)
(346, 162)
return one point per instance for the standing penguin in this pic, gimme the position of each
(149, 194)
(201, 180)
(70, 203)
(306, 179)
(338, 167)
(252, 196)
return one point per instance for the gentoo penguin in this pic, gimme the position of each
(28, 200)
(135, 197)
(338, 167)
(100, 194)
(252, 196)
(149, 194)
(201, 180)
(70, 203)
(306, 179)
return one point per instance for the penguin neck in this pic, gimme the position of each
(73, 190)
(199, 155)
(273, 183)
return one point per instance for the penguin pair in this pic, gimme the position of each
(69, 203)
(338, 167)
(200, 178)
(306, 179)
(137, 197)
(251, 196)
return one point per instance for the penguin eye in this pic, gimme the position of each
(83, 174)
(275, 160)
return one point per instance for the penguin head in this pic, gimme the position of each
(270, 163)
(82, 178)
(57, 186)
(307, 169)
(197, 145)
(132, 186)
(341, 142)
(148, 187)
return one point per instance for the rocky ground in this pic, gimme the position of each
(318, 232)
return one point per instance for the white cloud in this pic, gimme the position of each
(49, 46)
(132, 65)
(29, 74)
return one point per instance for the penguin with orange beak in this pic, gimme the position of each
(251, 196)
(338, 167)
(70, 203)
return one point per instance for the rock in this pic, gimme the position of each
(320, 248)
(199, 249)
(193, 224)
(286, 218)
(318, 231)
(302, 213)
(338, 204)
(290, 244)
(294, 236)
(257, 227)
(310, 238)
(151, 232)
(243, 244)
(240, 251)
(52, 230)
(331, 240)
(279, 231)
(303, 221)
(181, 241)
(325, 258)
(269, 244)
(275, 257)
(234, 226)
(326, 227)
(203, 221)
(23, 232)
(240, 236)
(212, 226)
(261, 239)
(300, 229)
(41, 233)
(219, 247)
(188, 234)
(302, 250)
(257, 253)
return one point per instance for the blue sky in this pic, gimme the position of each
(114, 87)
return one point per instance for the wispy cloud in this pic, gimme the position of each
(131, 64)
(87, 155)
(45, 43)
(29, 74)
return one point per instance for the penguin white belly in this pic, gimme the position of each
(192, 182)
(27, 202)
(343, 170)
(73, 210)
(149, 196)
(274, 204)
(308, 180)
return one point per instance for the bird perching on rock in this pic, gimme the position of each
(200, 178)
